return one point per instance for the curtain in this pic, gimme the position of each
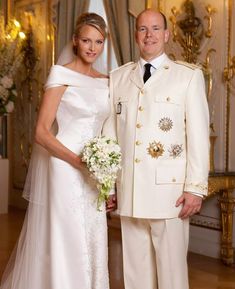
(67, 12)
(122, 30)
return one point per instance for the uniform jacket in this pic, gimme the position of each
(162, 127)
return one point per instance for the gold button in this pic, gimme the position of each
(141, 108)
(137, 161)
(166, 67)
(138, 143)
(142, 91)
(173, 180)
(138, 125)
(168, 98)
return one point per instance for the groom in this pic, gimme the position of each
(160, 118)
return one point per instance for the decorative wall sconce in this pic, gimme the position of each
(188, 30)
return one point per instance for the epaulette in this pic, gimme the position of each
(124, 65)
(189, 65)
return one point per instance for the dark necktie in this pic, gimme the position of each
(147, 72)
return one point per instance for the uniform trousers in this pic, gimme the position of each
(155, 253)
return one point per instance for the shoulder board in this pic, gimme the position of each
(187, 64)
(124, 65)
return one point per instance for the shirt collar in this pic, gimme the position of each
(156, 62)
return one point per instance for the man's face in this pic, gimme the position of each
(151, 35)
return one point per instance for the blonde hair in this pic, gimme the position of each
(93, 20)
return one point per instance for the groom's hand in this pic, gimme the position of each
(111, 203)
(191, 204)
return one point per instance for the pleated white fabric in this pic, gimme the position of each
(63, 242)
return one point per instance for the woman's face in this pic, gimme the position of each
(89, 43)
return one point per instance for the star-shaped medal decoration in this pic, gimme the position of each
(175, 150)
(155, 149)
(165, 124)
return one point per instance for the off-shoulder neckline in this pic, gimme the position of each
(58, 65)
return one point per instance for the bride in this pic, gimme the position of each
(63, 242)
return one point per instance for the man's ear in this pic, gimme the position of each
(167, 35)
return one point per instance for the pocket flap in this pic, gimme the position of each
(170, 175)
(166, 99)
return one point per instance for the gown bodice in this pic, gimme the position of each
(83, 108)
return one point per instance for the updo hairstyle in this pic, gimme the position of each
(93, 20)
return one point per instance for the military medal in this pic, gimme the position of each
(165, 124)
(175, 150)
(155, 149)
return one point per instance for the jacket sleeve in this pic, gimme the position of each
(197, 135)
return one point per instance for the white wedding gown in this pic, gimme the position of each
(63, 242)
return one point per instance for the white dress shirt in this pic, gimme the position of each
(156, 63)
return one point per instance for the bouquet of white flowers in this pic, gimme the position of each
(103, 158)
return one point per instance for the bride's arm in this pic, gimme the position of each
(46, 117)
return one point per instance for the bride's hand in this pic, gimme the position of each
(79, 164)
(111, 203)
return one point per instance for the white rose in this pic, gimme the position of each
(7, 82)
(10, 106)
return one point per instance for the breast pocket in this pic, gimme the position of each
(171, 108)
(168, 100)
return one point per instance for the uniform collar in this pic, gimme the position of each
(156, 63)
(136, 75)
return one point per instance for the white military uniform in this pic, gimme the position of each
(162, 127)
